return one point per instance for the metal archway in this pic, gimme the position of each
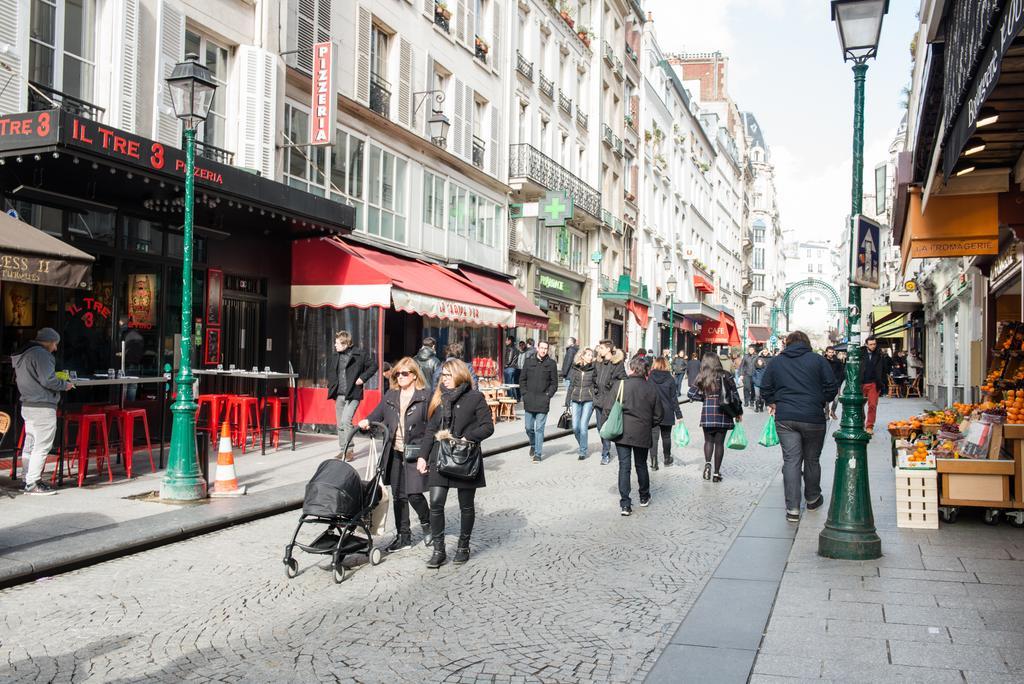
(795, 291)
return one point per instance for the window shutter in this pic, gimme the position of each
(364, 25)
(257, 113)
(14, 98)
(495, 136)
(128, 56)
(467, 123)
(171, 35)
(496, 57)
(470, 24)
(428, 8)
(460, 21)
(405, 61)
(304, 21)
(323, 21)
(456, 125)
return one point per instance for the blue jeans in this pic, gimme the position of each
(581, 411)
(679, 383)
(510, 379)
(535, 430)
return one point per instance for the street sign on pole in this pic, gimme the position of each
(556, 208)
(864, 270)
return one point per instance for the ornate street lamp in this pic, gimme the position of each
(192, 89)
(671, 287)
(850, 529)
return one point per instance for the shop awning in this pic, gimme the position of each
(951, 226)
(30, 256)
(703, 284)
(330, 272)
(887, 323)
(759, 334)
(721, 332)
(639, 311)
(528, 314)
(698, 311)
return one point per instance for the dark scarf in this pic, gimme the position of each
(448, 399)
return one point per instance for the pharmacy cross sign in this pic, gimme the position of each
(556, 208)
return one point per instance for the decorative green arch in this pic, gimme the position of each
(795, 291)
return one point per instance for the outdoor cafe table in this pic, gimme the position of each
(263, 380)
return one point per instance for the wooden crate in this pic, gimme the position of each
(917, 499)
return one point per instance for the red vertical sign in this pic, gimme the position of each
(323, 97)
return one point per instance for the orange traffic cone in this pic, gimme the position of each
(226, 482)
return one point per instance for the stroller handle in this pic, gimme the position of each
(379, 429)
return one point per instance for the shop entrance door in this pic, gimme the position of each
(403, 334)
(242, 332)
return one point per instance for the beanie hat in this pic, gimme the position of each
(47, 335)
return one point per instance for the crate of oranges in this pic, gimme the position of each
(903, 429)
(1013, 402)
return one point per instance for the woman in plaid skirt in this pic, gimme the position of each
(708, 389)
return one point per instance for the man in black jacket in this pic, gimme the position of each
(426, 359)
(347, 372)
(510, 364)
(839, 370)
(570, 356)
(746, 372)
(608, 371)
(538, 383)
(797, 386)
(874, 369)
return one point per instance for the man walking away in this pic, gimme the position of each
(570, 357)
(797, 387)
(609, 371)
(874, 369)
(641, 414)
(40, 388)
(538, 383)
(692, 369)
(427, 359)
(348, 371)
(747, 376)
(510, 364)
(839, 370)
(679, 371)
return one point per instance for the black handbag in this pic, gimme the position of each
(459, 458)
(565, 420)
(730, 402)
(411, 453)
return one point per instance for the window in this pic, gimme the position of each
(759, 231)
(819, 268)
(303, 166)
(62, 45)
(759, 258)
(215, 58)
(758, 282)
(347, 171)
(385, 212)
(433, 200)
(810, 268)
(755, 314)
(379, 51)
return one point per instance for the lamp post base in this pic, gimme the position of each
(184, 489)
(849, 544)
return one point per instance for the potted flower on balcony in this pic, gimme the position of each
(629, 120)
(563, 11)
(585, 35)
(647, 136)
(441, 10)
(481, 47)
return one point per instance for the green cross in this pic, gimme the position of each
(556, 208)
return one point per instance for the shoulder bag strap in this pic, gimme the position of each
(622, 387)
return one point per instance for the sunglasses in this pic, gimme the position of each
(404, 373)
(446, 375)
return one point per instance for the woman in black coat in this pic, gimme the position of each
(665, 384)
(641, 413)
(456, 410)
(403, 409)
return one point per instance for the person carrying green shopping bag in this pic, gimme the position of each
(798, 387)
(722, 410)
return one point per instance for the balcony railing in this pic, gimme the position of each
(37, 100)
(617, 145)
(617, 70)
(631, 53)
(380, 95)
(478, 152)
(564, 103)
(526, 161)
(480, 50)
(581, 118)
(442, 18)
(214, 153)
(607, 136)
(547, 88)
(606, 283)
(524, 67)
(608, 53)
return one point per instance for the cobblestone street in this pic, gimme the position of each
(560, 588)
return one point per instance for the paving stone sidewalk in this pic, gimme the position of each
(942, 605)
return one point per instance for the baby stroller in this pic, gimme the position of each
(338, 498)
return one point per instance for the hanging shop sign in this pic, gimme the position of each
(1008, 260)
(865, 267)
(556, 208)
(552, 284)
(323, 100)
(955, 288)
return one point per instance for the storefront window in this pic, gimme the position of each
(91, 225)
(313, 331)
(347, 172)
(479, 342)
(138, 317)
(176, 246)
(46, 219)
(142, 236)
(303, 165)
(386, 212)
(433, 200)
(172, 317)
(89, 323)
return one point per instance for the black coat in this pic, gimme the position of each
(582, 384)
(800, 383)
(471, 418)
(692, 371)
(641, 413)
(666, 386)
(570, 356)
(510, 358)
(608, 373)
(874, 368)
(426, 359)
(362, 364)
(388, 412)
(538, 383)
(838, 369)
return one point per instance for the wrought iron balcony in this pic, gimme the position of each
(214, 153)
(37, 100)
(526, 161)
(547, 88)
(607, 137)
(581, 118)
(607, 218)
(442, 18)
(617, 70)
(564, 103)
(617, 145)
(478, 152)
(606, 283)
(380, 95)
(608, 53)
(524, 67)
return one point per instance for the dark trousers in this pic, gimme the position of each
(467, 511)
(606, 446)
(679, 377)
(643, 478)
(665, 433)
(801, 452)
(748, 391)
(402, 501)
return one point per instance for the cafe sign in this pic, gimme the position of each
(36, 270)
(552, 284)
(453, 310)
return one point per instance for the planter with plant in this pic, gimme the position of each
(441, 10)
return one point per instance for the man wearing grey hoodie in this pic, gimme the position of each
(40, 388)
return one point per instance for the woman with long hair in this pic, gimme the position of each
(403, 409)
(456, 411)
(708, 389)
(580, 396)
(665, 384)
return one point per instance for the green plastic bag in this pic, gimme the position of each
(770, 435)
(680, 435)
(612, 427)
(737, 437)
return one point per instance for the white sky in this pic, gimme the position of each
(785, 66)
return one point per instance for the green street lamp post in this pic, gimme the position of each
(850, 529)
(671, 286)
(191, 88)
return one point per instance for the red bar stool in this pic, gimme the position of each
(277, 404)
(244, 416)
(216, 406)
(86, 422)
(125, 420)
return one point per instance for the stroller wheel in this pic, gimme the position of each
(339, 573)
(376, 556)
(291, 567)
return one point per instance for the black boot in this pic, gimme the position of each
(439, 557)
(427, 536)
(402, 541)
(668, 459)
(461, 551)
(653, 460)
